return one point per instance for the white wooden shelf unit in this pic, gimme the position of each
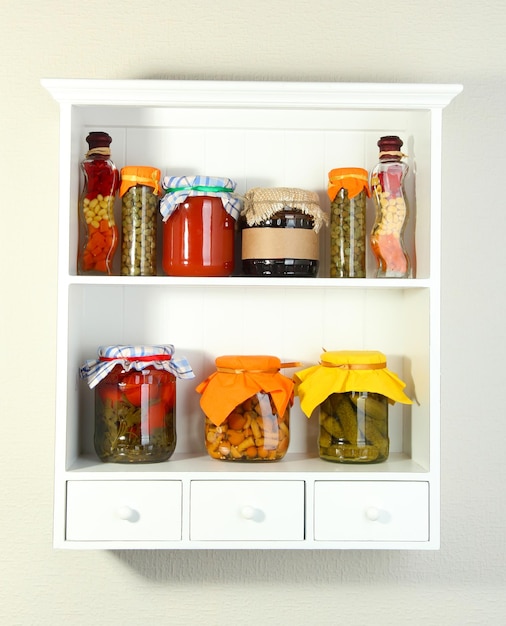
(259, 134)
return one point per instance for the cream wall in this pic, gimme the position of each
(392, 40)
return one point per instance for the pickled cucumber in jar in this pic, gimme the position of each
(354, 427)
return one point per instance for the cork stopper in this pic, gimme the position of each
(98, 139)
(390, 148)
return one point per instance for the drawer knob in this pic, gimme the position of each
(128, 514)
(372, 513)
(249, 512)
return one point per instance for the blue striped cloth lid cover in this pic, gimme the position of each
(95, 370)
(178, 188)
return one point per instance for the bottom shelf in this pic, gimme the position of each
(197, 464)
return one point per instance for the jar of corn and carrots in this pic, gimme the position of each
(98, 233)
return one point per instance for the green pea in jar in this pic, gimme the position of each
(348, 191)
(139, 193)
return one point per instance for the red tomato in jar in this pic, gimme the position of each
(109, 392)
(156, 415)
(169, 396)
(140, 389)
(131, 386)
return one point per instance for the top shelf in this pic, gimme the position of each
(259, 134)
(250, 281)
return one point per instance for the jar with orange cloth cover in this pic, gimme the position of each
(348, 190)
(247, 403)
(139, 191)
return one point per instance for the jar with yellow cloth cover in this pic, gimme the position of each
(247, 403)
(139, 191)
(352, 390)
(348, 190)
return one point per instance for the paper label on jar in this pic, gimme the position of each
(279, 243)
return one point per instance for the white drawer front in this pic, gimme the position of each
(123, 510)
(371, 511)
(247, 510)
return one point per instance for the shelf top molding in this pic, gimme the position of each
(250, 94)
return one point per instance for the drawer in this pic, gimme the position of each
(123, 510)
(247, 510)
(371, 510)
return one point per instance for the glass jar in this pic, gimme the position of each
(139, 191)
(387, 187)
(352, 390)
(348, 190)
(354, 427)
(269, 241)
(246, 403)
(253, 431)
(135, 416)
(135, 402)
(199, 226)
(280, 232)
(98, 234)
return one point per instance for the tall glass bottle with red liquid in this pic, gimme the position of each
(387, 236)
(98, 233)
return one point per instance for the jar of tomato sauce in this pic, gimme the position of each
(135, 402)
(199, 222)
(98, 233)
(246, 403)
